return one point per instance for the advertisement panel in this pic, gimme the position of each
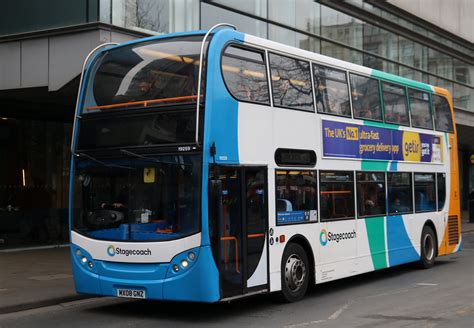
(347, 140)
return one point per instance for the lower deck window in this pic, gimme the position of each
(425, 192)
(371, 193)
(296, 200)
(400, 196)
(337, 195)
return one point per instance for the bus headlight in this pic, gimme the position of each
(84, 259)
(183, 262)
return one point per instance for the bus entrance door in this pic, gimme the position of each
(242, 249)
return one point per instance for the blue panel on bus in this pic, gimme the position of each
(221, 119)
(86, 279)
(200, 283)
(400, 248)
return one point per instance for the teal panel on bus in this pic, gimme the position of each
(376, 234)
(369, 165)
(401, 80)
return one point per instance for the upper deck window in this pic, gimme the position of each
(245, 75)
(145, 74)
(332, 93)
(443, 119)
(420, 109)
(366, 98)
(291, 83)
(395, 104)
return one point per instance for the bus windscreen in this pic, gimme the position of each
(145, 74)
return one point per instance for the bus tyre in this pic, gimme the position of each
(295, 272)
(428, 248)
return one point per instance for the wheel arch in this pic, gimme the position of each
(303, 242)
(430, 224)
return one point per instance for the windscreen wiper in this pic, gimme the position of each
(154, 160)
(103, 163)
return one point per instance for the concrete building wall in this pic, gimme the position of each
(50, 61)
(454, 16)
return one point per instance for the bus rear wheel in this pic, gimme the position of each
(295, 272)
(428, 248)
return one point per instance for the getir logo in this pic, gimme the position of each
(112, 250)
(326, 237)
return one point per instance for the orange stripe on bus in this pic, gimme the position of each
(145, 103)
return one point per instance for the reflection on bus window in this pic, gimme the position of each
(336, 195)
(395, 104)
(332, 94)
(245, 75)
(371, 193)
(420, 109)
(150, 71)
(296, 196)
(365, 98)
(291, 83)
(443, 119)
(441, 187)
(400, 198)
(425, 192)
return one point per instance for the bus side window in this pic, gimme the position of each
(441, 187)
(400, 198)
(420, 110)
(425, 192)
(443, 119)
(395, 104)
(291, 83)
(332, 92)
(245, 75)
(296, 196)
(365, 98)
(371, 199)
(336, 195)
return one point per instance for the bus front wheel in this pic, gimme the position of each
(428, 247)
(295, 272)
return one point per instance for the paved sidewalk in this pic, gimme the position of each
(37, 278)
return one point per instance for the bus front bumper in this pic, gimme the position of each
(183, 279)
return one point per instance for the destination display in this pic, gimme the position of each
(346, 140)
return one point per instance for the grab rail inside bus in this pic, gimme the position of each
(86, 61)
(145, 103)
(201, 58)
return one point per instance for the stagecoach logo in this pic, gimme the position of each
(111, 250)
(325, 237)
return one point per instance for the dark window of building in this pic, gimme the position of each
(443, 119)
(34, 182)
(295, 157)
(296, 196)
(371, 193)
(291, 83)
(400, 198)
(395, 104)
(366, 98)
(425, 192)
(332, 92)
(245, 74)
(441, 177)
(420, 110)
(336, 195)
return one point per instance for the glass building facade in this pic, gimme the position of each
(34, 181)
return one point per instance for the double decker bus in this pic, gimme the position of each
(213, 165)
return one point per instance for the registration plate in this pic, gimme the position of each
(131, 293)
